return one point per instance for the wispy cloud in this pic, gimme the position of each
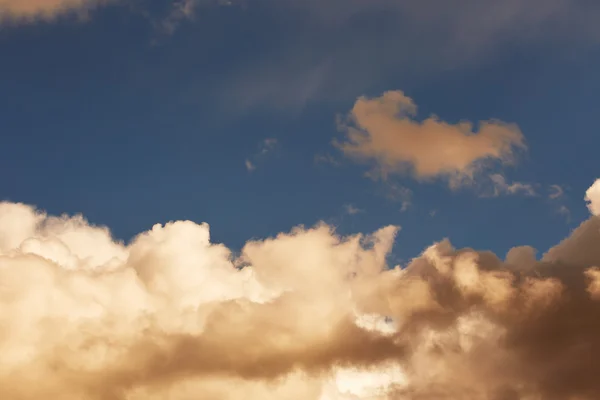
(249, 166)
(181, 10)
(502, 187)
(351, 209)
(326, 159)
(400, 194)
(419, 38)
(556, 192)
(266, 147)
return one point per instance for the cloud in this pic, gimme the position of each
(565, 212)
(398, 193)
(501, 187)
(414, 39)
(326, 159)
(181, 10)
(250, 166)
(592, 197)
(265, 147)
(556, 192)
(306, 315)
(171, 313)
(44, 9)
(382, 130)
(352, 210)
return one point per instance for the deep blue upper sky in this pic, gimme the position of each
(132, 124)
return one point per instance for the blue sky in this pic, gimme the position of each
(135, 113)
(325, 142)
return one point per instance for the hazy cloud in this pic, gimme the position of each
(327, 159)
(502, 187)
(250, 166)
(351, 209)
(412, 38)
(398, 193)
(383, 131)
(556, 192)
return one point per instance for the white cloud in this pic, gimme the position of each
(304, 315)
(592, 197)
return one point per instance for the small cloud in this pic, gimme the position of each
(557, 198)
(501, 187)
(249, 166)
(265, 147)
(556, 191)
(352, 210)
(565, 212)
(383, 131)
(405, 206)
(433, 213)
(326, 159)
(400, 194)
(181, 10)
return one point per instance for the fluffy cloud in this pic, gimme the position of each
(173, 315)
(383, 130)
(302, 315)
(592, 196)
(31, 9)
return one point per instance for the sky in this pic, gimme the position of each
(284, 193)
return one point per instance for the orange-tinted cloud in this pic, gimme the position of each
(305, 315)
(383, 130)
(33, 9)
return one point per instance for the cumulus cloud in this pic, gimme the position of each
(592, 197)
(383, 130)
(45, 9)
(303, 315)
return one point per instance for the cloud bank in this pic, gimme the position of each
(302, 315)
(383, 130)
(44, 9)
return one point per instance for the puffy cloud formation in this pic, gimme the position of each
(592, 196)
(31, 9)
(383, 130)
(303, 315)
